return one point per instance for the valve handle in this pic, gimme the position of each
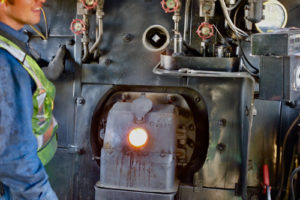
(170, 6)
(89, 4)
(266, 184)
(205, 30)
(78, 26)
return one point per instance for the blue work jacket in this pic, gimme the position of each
(21, 171)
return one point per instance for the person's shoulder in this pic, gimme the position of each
(6, 59)
(5, 55)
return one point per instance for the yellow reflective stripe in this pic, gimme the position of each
(32, 73)
(12, 49)
(46, 154)
(42, 141)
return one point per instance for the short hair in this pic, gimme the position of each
(9, 1)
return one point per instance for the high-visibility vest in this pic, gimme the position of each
(44, 124)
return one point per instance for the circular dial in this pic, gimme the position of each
(275, 17)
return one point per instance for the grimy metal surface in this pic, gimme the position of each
(150, 168)
(266, 123)
(200, 63)
(200, 193)
(228, 100)
(126, 63)
(108, 194)
(227, 123)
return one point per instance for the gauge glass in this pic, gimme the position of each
(275, 17)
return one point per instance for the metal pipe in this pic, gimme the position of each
(99, 17)
(187, 10)
(99, 36)
(191, 23)
(238, 32)
(85, 38)
(297, 170)
(177, 36)
(85, 51)
(177, 44)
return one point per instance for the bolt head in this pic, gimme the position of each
(221, 147)
(197, 99)
(80, 100)
(222, 122)
(108, 62)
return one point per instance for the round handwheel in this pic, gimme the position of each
(170, 6)
(78, 26)
(89, 4)
(205, 30)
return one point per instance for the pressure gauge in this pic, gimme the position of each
(275, 17)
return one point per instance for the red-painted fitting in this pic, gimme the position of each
(205, 30)
(89, 5)
(167, 9)
(78, 26)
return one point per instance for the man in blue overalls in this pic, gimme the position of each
(26, 103)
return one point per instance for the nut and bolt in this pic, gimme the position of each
(125, 97)
(190, 143)
(222, 122)
(221, 147)
(128, 37)
(70, 42)
(171, 98)
(197, 99)
(108, 62)
(191, 127)
(162, 154)
(80, 100)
